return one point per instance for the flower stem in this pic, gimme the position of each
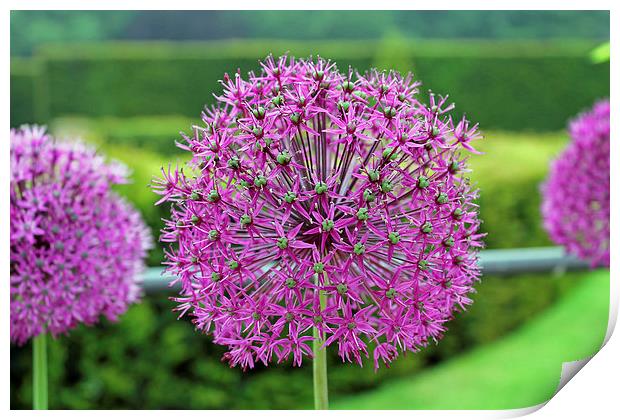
(319, 364)
(39, 376)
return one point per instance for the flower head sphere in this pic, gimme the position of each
(575, 204)
(76, 246)
(322, 200)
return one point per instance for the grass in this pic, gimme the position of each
(510, 154)
(521, 370)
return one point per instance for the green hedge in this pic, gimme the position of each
(508, 174)
(23, 77)
(149, 360)
(503, 85)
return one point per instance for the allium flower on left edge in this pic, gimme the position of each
(77, 247)
(576, 194)
(323, 200)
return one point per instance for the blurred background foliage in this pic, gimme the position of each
(130, 81)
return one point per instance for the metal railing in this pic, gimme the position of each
(494, 261)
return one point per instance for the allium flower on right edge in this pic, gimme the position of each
(575, 204)
(323, 200)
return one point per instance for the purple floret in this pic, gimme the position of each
(77, 248)
(575, 204)
(306, 182)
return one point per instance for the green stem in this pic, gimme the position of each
(39, 374)
(319, 364)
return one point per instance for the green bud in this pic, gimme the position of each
(359, 248)
(289, 316)
(214, 234)
(282, 242)
(295, 118)
(259, 113)
(389, 153)
(386, 186)
(257, 131)
(278, 100)
(457, 213)
(402, 97)
(448, 242)
(232, 264)
(327, 225)
(318, 75)
(423, 182)
(360, 94)
(373, 175)
(215, 276)
(318, 268)
(255, 316)
(260, 181)
(453, 167)
(442, 198)
(394, 237)
(389, 112)
(213, 196)
(290, 283)
(233, 162)
(390, 293)
(351, 325)
(194, 259)
(344, 105)
(427, 227)
(284, 158)
(362, 214)
(244, 183)
(194, 196)
(436, 131)
(423, 265)
(245, 220)
(290, 197)
(195, 219)
(348, 86)
(368, 195)
(320, 188)
(342, 288)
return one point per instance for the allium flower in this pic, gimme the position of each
(575, 204)
(322, 200)
(76, 246)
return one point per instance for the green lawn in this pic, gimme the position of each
(520, 370)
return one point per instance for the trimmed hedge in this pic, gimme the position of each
(502, 85)
(149, 360)
(508, 174)
(23, 77)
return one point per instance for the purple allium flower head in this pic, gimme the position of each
(76, 246)
(322, 200)
(575, 204)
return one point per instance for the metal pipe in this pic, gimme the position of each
(492, 262)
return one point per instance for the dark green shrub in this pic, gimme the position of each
(22, 91)
(503, 85)
(150, 360)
